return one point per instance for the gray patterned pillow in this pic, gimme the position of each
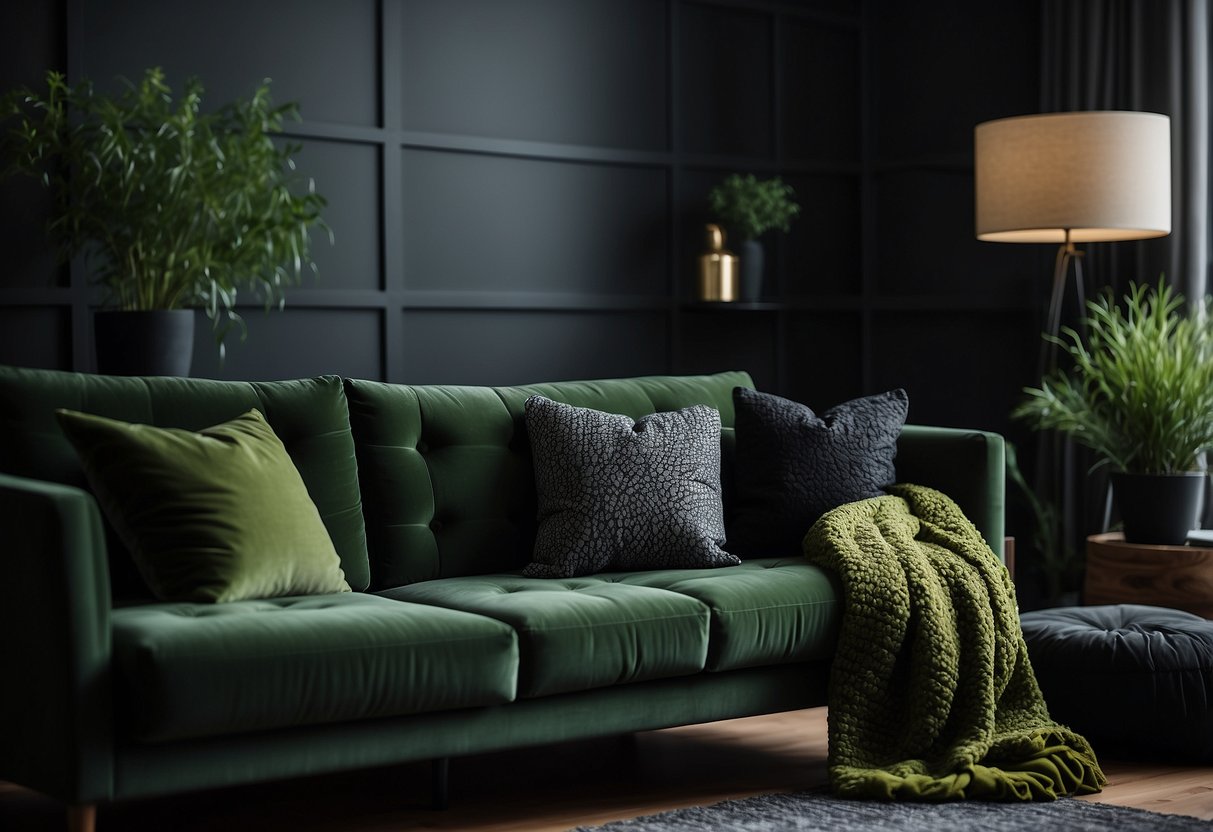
(622, 494)
(791, 465)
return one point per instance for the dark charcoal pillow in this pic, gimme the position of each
(623, 494)
(791, 466)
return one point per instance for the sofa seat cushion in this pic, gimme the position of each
(765, 611)
(192, 670)
(580, 633)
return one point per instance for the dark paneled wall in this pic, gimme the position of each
(954, 320)
(517, 187)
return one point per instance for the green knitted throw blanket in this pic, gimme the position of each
(931, 694)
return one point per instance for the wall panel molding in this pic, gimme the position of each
(518, 187)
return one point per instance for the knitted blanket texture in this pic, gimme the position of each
(931, 693)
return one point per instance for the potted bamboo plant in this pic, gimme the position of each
(174, 207)
(750, 207)
(1139, 393)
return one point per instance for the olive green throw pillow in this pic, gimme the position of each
(218, 515)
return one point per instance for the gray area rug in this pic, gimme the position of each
(810, 812)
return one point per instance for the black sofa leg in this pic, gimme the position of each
(442, 782)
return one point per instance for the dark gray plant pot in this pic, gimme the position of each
(752, 263)
(1159, 509)
(157, 342)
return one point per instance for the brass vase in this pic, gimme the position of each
(717, 269)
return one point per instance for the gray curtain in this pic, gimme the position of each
(1149, 55)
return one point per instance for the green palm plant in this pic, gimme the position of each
(173, 206)
(1139, 391)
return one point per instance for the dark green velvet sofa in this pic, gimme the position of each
(443, 649)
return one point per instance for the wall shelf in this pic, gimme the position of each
(731, 307)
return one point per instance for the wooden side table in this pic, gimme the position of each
(1179, 577)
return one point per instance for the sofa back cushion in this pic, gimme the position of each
(309, 416)
(448, 487)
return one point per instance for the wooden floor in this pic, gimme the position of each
(559, 787)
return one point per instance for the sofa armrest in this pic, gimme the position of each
(55, 705)
(967, 465)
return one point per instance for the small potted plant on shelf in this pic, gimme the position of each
(749, 208)
(173, 207)
(1139, 393)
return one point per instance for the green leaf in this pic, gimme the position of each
(163, 195)
(750, 207)
(1139, 391)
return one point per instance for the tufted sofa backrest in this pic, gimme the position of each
(308, 415)
(447, 483)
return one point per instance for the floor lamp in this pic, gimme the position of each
(1069, 178)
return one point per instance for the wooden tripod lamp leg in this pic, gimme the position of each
(82, 818)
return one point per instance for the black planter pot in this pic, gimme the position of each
(1159, 509)
(752, 265)
(157, 342)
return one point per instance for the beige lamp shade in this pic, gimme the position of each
(1101, 176)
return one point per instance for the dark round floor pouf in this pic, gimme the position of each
(1132, 679)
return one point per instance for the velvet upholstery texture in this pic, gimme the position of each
(793, 465)
(449, 491)
(215, 515)
(619, 493)
(764, 611)
(448, 487)
(309, 416)
(580, 633)
(968, 465)
(147, 769)
(56, 608)
(189, 671)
